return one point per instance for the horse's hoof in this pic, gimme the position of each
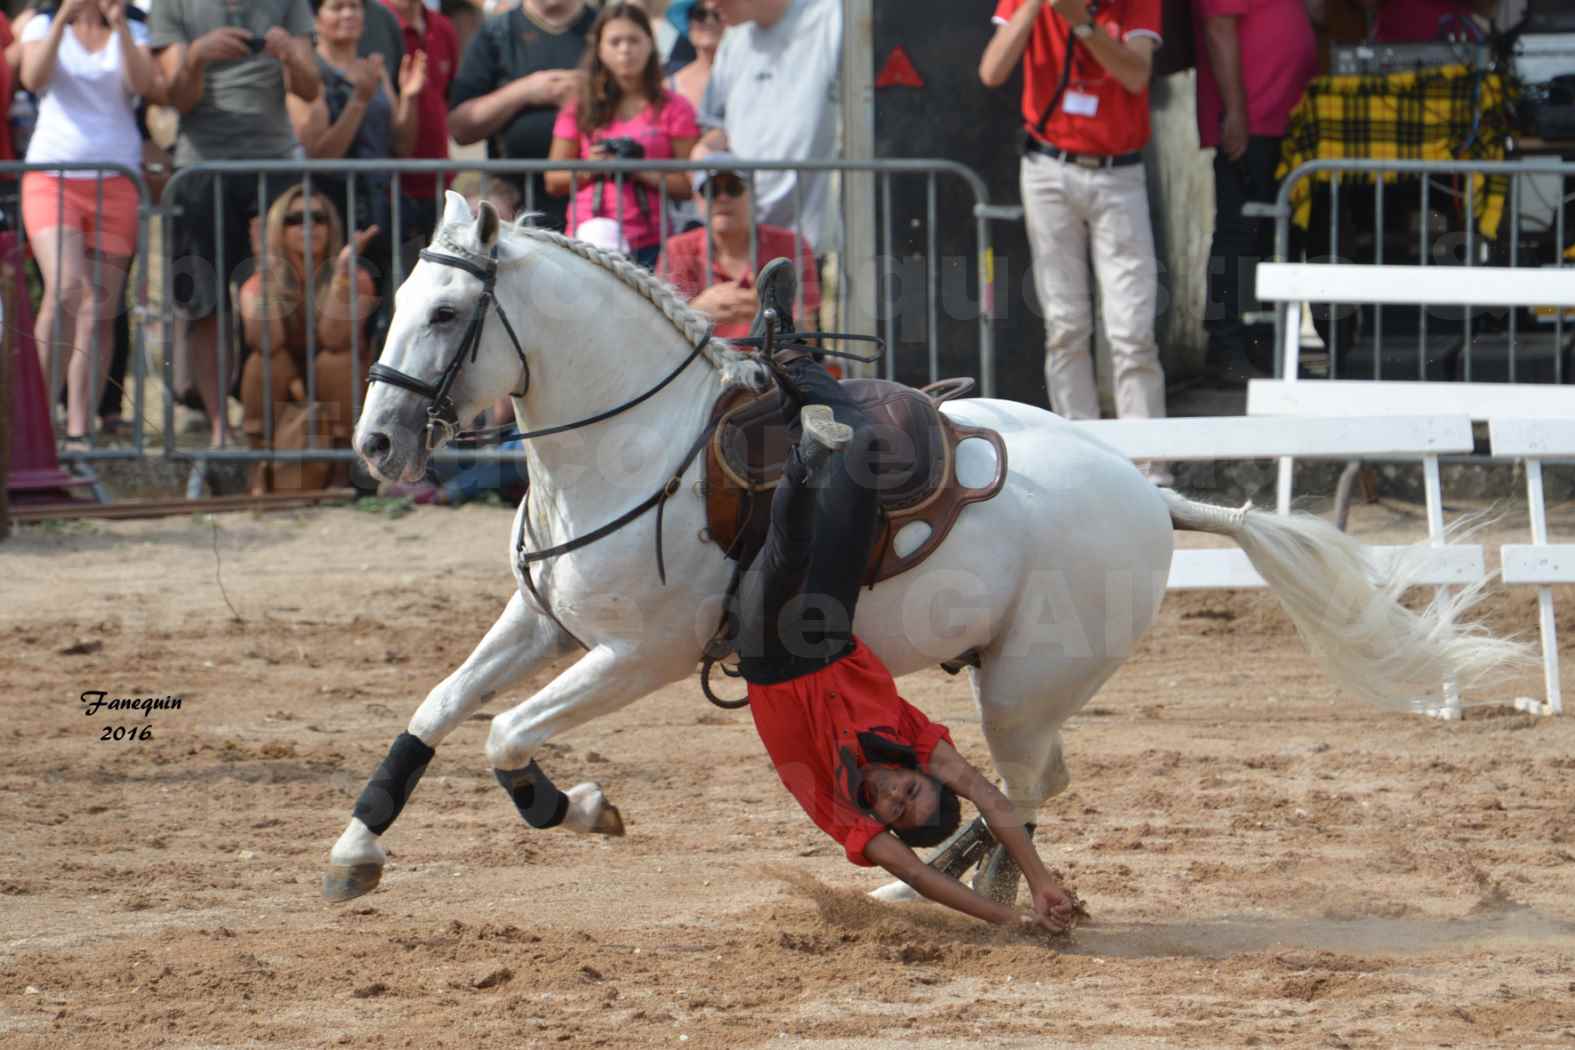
(346, 882)
(998, 877)
(609, 821)
(590, 813)
(963, 849)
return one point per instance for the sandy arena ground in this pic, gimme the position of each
(1268, 863)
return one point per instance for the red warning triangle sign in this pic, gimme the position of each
(899, 72)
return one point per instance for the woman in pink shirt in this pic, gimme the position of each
(623, 113)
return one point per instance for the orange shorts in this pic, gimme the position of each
(50, 202)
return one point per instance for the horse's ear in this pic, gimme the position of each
(486, 225)
(455, 210)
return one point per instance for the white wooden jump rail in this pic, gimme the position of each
(1233, 437)
(1352, 420)
(1539, 564)
(1337, 437)
(1530, 422)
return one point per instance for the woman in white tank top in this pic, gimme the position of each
(88, 63)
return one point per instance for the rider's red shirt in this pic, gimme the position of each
(821, 729)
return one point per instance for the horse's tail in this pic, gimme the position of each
(1347, 608)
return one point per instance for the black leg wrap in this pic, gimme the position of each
(390, 787)
(541, 804)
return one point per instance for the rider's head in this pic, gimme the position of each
(918, 808)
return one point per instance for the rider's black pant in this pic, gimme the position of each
(798, 596)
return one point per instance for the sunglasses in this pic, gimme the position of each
(726, 186)
(704, 14)
(297, 218)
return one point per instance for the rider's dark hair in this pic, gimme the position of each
(948, 814)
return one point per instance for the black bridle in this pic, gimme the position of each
(442, 413)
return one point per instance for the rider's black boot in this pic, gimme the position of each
(776, 288)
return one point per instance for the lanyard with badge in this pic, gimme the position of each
(1077, 103)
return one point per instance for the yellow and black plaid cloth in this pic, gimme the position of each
(1442, 113)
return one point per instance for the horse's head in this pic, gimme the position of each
(445, 359)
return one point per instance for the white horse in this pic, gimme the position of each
(1050, 582)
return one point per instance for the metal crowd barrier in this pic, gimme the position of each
(57, 365)
(1456, 239)
(364, 343)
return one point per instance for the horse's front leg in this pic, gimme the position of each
(600, 682)
(519, 642)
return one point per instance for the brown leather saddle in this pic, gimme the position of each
(916, 469)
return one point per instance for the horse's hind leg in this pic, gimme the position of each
(518, 642)
(1033, 770)
(1024, 699)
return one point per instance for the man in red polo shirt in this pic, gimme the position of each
(1085, 104)
(426, 30)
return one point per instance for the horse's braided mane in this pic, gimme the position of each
(736, 366)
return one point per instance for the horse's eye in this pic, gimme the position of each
(442, 315)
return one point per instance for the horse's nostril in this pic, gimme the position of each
(375, 446)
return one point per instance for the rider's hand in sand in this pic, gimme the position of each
(1054, 908)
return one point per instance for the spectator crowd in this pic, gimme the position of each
(282, 287)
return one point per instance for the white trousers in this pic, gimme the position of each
(1073, 212)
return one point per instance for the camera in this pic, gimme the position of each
(622, 148)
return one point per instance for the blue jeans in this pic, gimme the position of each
(463, 482)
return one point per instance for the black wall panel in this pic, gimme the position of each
(954, 116)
